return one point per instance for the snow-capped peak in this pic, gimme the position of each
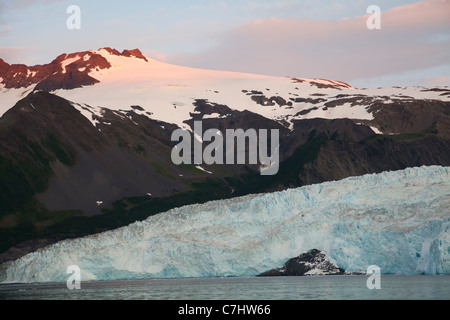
(118, 80)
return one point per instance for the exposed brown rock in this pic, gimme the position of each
(111, 51)
(135, 53)
(332, 84)
(3, 66)
(53, 76)
(264, 101)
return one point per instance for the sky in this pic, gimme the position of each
(298, 38)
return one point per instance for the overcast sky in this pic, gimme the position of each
(301, 38)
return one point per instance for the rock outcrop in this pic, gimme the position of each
(311, 263)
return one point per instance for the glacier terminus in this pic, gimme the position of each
(399, 221)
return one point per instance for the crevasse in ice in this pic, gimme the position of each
(398, 220)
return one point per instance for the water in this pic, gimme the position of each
(270, 288)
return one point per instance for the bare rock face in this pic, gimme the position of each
(3, 66)
(127, 53)
(324, 84)
(134, 53)
(313, 262)
(67, 71)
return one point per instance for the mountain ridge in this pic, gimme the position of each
(78, 158)
(16, 76)
(118, 81)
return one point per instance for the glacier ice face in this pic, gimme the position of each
(399, 221)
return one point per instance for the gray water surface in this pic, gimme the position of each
(270, 288)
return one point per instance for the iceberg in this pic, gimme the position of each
(399, 221)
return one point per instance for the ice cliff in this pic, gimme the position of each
(399, 221)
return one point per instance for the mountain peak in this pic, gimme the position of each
(125, 53)
(3, 66)
(135, 53)
(110, 50)
(67, 71)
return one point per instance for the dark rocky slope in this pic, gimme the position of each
(61, 176)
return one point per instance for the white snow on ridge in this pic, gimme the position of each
(89, 112)
(214, 116)
(376, 130)
(399, 221)
(200, 168)
(9, 97)
(66, 62)
(344, 111)
(155, 86)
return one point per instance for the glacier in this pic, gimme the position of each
(397, 220)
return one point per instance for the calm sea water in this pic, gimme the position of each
(273, 288)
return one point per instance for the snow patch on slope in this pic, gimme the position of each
(90, 113)
(9, 97)
(66, 62)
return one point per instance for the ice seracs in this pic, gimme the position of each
(399, 221)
